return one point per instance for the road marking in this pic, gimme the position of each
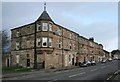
(102, 64)
(93, 70)
(14, 78)
(77, 74)
(55, 79)
(58, 72)
(81, 68)
(110, 77)
(107, 65)
(66, 71)
(103, 67)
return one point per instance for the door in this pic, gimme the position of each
(72, 61)
(28, 62)
(8, 63)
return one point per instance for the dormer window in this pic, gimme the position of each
(44, 26)
(39, 28)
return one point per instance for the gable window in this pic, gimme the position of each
(59, 43)
(44, 26)
(39, 28)
(50, 42)
(50, 27)
(38, 42)
(44, 42)
(17, 45)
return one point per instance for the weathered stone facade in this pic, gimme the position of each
(53, 45)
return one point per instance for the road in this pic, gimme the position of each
(97, 72)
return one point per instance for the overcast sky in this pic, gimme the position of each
(89, 19)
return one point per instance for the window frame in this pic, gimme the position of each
(50, 27)
(44, 25)
(17, 34)
(44, 41)
(17, 45)
(17, 59)
(50, 42)
(39, 27)
(60, 43)
(59, 31)
(38, 41)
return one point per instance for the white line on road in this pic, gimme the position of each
(55, 79)
(103, 67)
(77, 74)
(81, 68)
(66, 71)
(58, 72)
(93, 70)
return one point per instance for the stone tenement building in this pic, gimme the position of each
(45, 44)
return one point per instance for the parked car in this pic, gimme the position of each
(93, 63)
(110, 59)
(85, 64)
(103, 61)
(116, 58)
(88, 63)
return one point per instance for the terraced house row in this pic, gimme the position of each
(45, 44)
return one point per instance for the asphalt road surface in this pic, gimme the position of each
(97, 72)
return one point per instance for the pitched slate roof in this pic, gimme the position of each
(44, 16)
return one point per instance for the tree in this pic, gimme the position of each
(5, 40)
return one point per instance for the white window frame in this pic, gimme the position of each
(38, 41)
(70, 36)
(50, 27)
(17, 59)
(59, 43)
(17, 34)
(17, 45)
(50, 42)
(59, 31)
(39, 26)
(44, 39)
(44, 26)
(70, 46)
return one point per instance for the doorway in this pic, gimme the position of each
(72, 61)
(8, 63)
(28, 62)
